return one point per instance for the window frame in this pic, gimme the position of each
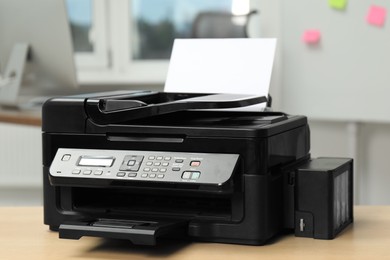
(112, 63)
(98, 58)
(150, 71)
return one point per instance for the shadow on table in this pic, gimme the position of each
(118, 248)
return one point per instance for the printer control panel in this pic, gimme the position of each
(129, 165)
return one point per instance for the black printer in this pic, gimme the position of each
(144, 165)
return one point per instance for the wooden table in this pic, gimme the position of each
(23, 236)
(32, 118)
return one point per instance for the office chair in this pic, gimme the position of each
(214, 24)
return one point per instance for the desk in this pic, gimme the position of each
(23, 236)
(32, 118)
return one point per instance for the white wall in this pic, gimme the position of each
(21, 165)
(374, 156)
(372, 172)
(335, 138)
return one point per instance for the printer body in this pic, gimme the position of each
(145, 166)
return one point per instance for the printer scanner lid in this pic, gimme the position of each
(152, 112)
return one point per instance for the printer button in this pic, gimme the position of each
(179, 161)
(152, 175)
(175, 169)
(98, 172)
(167, 158)
(159, 157)
(186, 175)
(132, 174)
(76, 171)
(160, 176)
(152, 157)
(144, 175)
(135, 168)
(163, 169)
(66, 157)
(157, 164)
(149, 163)
(147, 169)
(121, 174)
(195, 163)
(195, 175)
(155, 170)
(87, 172)
(165, 164)
(131, 162)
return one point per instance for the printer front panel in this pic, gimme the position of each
(82, 198)
(100, 166)
(245, 209)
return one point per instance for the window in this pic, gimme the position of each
(130, 41)
(88, 23)
(80, 20)
(154, 29)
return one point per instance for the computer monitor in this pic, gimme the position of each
(36, 52)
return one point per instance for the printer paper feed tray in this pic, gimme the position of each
(137, 231)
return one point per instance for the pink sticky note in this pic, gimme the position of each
(311, 36)
(376, 15)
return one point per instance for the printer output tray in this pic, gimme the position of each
(139, 232)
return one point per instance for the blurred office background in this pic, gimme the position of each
(126, 44)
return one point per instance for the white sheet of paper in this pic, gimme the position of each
(239, 66)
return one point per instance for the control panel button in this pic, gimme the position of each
(147, 169)
(66, 157)
(151, 157)
(179, 161)
(76, 171)
(160, 176)
(132, 174)
(195, 163)
(175, 169)
(167, 158)
(149, 163)
(163, 169)
(152, 175)
(159, 158)
(186, 175)
(165, 164)
(121, 174)
(157, 164)
(87, 172)
(155, 170)
(195, 175)
(144, 175)
(131, 163)
(98, 172)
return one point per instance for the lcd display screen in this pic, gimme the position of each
(96, 161)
